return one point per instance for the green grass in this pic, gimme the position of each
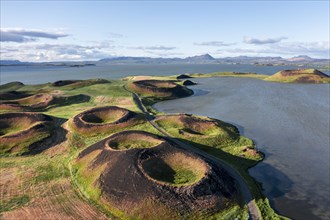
(12, 129)
(51, 171)
(14, 203)
(131, 144)
(173, 175)
(10, 86)
(226, 74)
(22, 146)
(175, 169)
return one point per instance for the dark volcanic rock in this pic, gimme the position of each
(189, 83)
(65, 82)
(183, 76)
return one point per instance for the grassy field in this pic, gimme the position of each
(50, 185)
(227, 74)
(305, 76)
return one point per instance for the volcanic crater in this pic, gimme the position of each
(160, 88)
(74, 84)
(103, 119)
(38, 101)
(198, 128)
(154, 170)
(19, 131)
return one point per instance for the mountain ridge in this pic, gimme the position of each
(198, 59)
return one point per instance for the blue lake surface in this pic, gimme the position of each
(288, 122)
(44, 74)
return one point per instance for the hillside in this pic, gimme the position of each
(299, 76)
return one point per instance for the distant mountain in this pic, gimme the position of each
(246, 59)
(300, 58)
(12, 62)
(205, 58)
(199, 59)
(67, 63)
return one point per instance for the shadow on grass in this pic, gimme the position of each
(159, 170)
(75, 99)
(57, 136)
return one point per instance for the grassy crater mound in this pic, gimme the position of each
(198, 129)
(300, 76)
(18, 131)
(141, 181)
(74, 84)
(175, 169)
(34, 101)
(159, 88)
(132, 139)
(102, 119)
(40, 101)
(10, 95)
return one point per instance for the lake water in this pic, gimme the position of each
(44, 74)
(288, 122)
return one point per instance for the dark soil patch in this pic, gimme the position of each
(64, 82)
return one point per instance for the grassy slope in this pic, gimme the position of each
(227, 74)
(273, 78)
(306, 73)
(53, 168)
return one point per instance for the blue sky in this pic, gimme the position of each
(90, 30)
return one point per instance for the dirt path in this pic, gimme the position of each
(254, 213)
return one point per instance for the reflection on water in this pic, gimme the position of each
(289, 123)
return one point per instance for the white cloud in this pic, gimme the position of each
(24, 35)
(250, 40)
(56, 52)
(154, 48)
(313, 49)
(214, 44)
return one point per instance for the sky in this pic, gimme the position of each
(91, 30)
